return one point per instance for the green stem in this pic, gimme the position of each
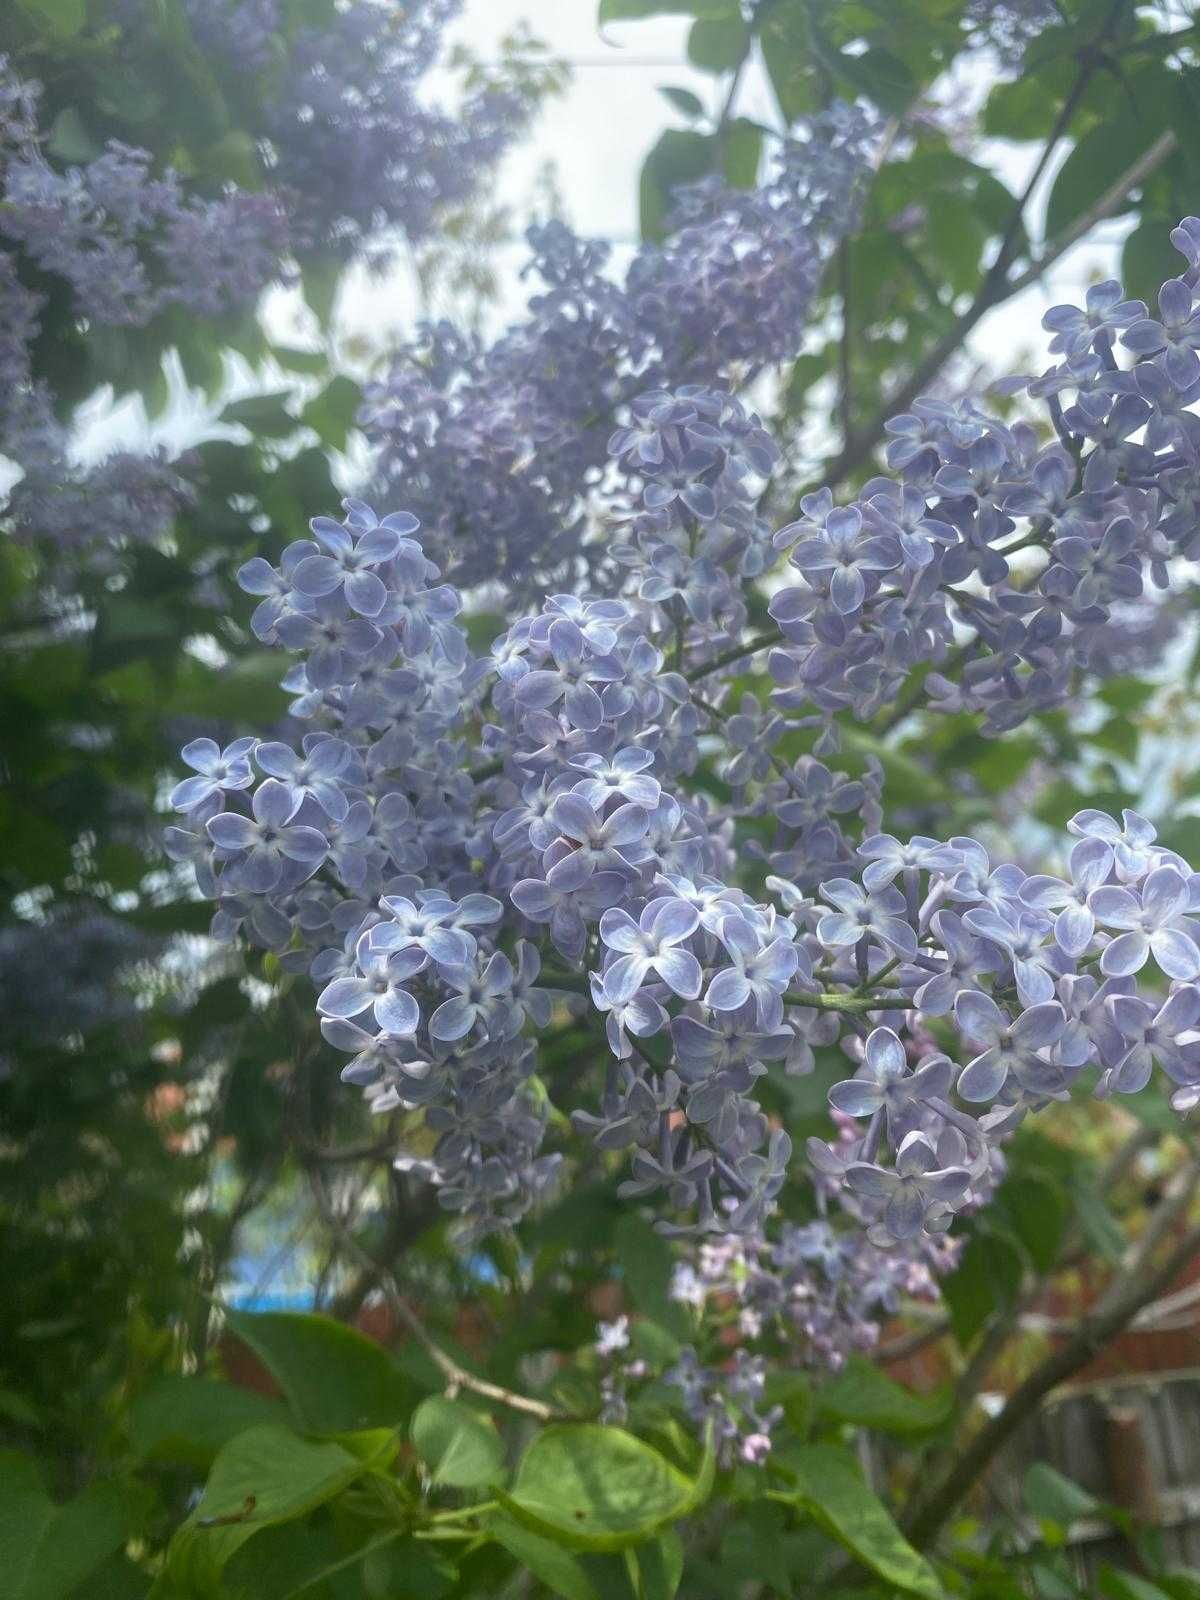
(854, 1005)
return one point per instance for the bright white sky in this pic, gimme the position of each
(594, 137)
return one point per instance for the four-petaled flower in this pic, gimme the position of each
(589, 843)
(344, 562)
(216, 770)
(379, 989)
(916, 1185)
(1154, 924)
(1015, 1047)
(885, 1083)
(484, 996)
(760, 969)
(1152, 1034)
(860, 915)
(651, 944)
(269, 838)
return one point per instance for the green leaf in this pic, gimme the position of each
(1054, 1498)
(1148, 258)
(64, 17)
(635, 10)
(793, 1391)
(332, 412)
(182, 1418)
(264, 1477)
(233, 158)
(647, 1263)
(263, 414)
(461, 1446)
(1114, 1584)
(683, 100)
(16, 1408)
(830, 1488)
(879, 75)
(313, 362)
(680, 156)
(333, 1378)
(1099, 159)
(789, 60)
(718, 44)
(69, 138)
(560, 1571)
(592, 1487)
(986, 1280)
(653, 1343)
(321, 281)
(47, 1550)
(657, 1567)
(863, 1395)
(1024, 107)
(1038, 1209)
(743, 151)
(1100, 1228)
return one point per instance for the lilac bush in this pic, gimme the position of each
(470, 847)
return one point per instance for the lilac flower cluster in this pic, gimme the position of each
(471, 854)
(356, 145)
(1009, 26)
(351, 150)
(822, 1290)
(1014, 560)
(126, 243)
(125, 496)
(417, 893)
(512, 436)
(816, 1293)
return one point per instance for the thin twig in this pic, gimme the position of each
(996, 288)
(457, 1376)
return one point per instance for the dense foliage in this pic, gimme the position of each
(705, 806)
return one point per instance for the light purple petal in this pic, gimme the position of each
(627, 825)
(1164, 894)
(978, 1016)
(1073, 930)
(983, 1078)
(1176, 954)
(1040, 1026)
(345, 997)
(904, 1214)
(317, 576)
(619, 931)
(672, 921)
(366, 593)
(728, 990)
(397, 1012)
(856, 1097)
(680, 970)
(1128, 953)
(452, 1020)
(231, 831)
(1115, 908)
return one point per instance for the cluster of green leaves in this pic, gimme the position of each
(358, 1476)
(356, 1479)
